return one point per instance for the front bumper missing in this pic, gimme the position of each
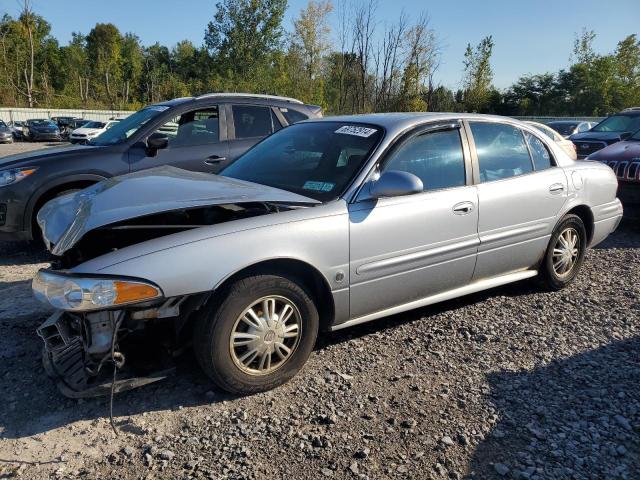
(66, 360)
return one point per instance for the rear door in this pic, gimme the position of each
(520, 193)
(247, 125)
(197, 141)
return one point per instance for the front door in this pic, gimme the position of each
(520, 192)
(409, 247)
(196, 142)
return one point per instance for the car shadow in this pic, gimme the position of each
(577, 417)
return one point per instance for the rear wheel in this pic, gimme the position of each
(258, 336)
(565, 253)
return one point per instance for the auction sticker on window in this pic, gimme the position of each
(357, 131)
(318, 186)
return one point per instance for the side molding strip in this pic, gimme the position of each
(440, 297)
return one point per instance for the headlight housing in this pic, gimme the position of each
(14, 175)
(67, 292)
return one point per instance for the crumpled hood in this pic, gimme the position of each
(65, 220)
(621, 151)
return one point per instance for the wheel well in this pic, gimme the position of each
(49, 194)
(586, 216)
(309, 277)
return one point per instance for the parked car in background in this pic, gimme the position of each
(324, 225)
(611, 130)
(6, 134)
(212, 131)
(16, 128)
(40, 129)
(624, 158)
(90, 130)
(566, 128)
(65, 124)
(567, 145)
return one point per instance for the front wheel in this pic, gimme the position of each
(258, 336)
(565, 253)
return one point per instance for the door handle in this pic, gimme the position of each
(214, 160)
(463, 208)
(556, 188)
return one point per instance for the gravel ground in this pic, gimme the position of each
(510, 383)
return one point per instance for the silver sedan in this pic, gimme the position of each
(326, 224)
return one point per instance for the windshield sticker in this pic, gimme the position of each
(158, 108)
(318, 186)
(357, 131)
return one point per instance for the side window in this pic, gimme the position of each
(539, 152)
(252, 121)
(293, 116)
(501, 149)
(436, 158)
(197, 127)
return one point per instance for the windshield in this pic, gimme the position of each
(618, 123)
(563, 128)
(123, 129)
(94, 125)
(317, 159)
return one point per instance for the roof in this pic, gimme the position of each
(177, 101)
(398, 121)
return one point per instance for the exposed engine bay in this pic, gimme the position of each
(137, 230)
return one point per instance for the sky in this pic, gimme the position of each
(530, 36)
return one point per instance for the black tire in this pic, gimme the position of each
(214, 327)
(549, 277)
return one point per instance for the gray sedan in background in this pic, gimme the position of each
(323, 225)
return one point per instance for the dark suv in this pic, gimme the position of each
(202, 133)
(610, 130)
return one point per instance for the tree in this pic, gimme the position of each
(104, 44)
(478, 75)
(244, 33)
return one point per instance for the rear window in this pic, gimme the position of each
(563, 128)
(252, 121)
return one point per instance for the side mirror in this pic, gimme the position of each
(395, 183)
(155, 142)
(625, 135)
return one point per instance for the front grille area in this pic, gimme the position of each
(3, 214)
(629, 172)
(586, 148)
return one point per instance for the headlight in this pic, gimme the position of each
(14, 175)
(67, 292)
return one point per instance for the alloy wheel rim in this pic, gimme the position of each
(566, 252)
(265, 335)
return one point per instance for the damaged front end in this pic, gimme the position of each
(82, 348)
(105, 324)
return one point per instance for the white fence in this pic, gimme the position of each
(12, 114)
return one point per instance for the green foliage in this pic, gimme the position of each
(246, 49)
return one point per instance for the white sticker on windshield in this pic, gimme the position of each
(318, 186)
(357, 131)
